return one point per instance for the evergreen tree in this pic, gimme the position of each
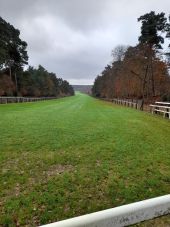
(152, 25)
(13, 52)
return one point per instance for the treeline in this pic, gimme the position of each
(33, 83)
(14, 80)
(142, 71)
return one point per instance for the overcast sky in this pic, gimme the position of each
(74, 38)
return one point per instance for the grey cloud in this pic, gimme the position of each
(74, 38)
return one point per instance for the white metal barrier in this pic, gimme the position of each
(120, 216)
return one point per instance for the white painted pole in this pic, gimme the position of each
(120, 216)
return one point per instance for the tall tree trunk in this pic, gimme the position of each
(151, 70)
(143, 88)
(10, 74)
(16, 84)
(144, 83)
(152, 78)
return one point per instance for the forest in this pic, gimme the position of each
(141, 71)
(15, 80)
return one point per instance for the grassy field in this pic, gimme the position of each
(68, 157)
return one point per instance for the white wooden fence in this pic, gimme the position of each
(120, 216)
(162, 108)
(130, 103)
(5, 100)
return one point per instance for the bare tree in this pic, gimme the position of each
(118, 52)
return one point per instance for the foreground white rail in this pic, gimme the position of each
(120, 216)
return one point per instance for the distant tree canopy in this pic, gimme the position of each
(31, 82)
(39, 82)
(138, 72)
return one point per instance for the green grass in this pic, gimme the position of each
(68, 157)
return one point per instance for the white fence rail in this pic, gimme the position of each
(120, 216)
(161, 108)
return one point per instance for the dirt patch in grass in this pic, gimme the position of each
(38, 177)
(58, 169)
(46, 175)
(54, 170)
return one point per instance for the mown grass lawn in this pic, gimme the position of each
(68, 157)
